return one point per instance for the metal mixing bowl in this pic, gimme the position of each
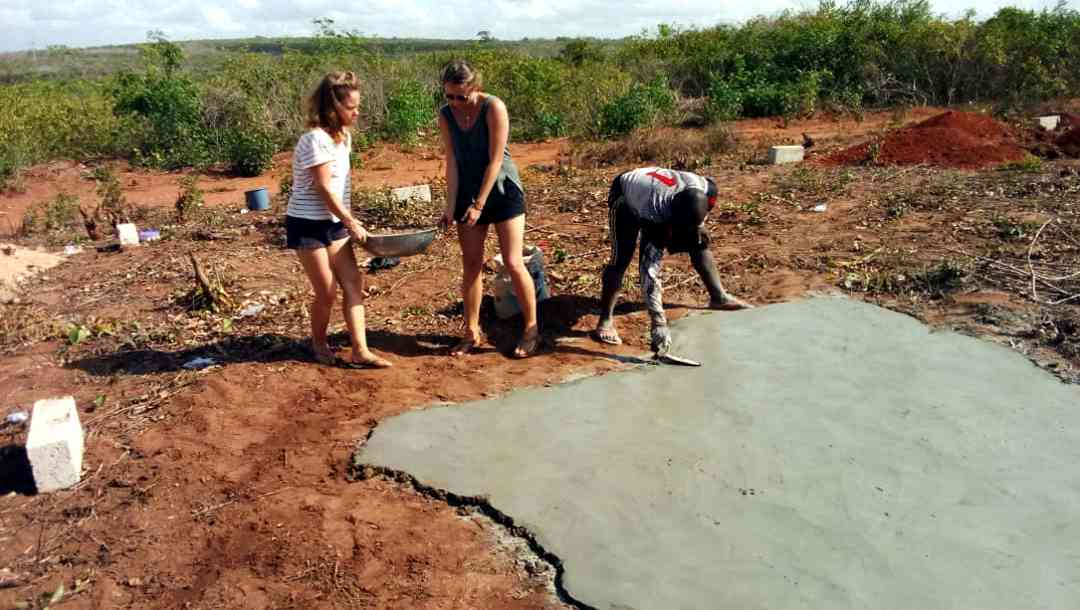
(400, 244)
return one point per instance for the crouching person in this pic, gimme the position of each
(667, 209)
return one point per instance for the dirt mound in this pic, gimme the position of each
(951, 139)
(1069, 142)
(1068, 120)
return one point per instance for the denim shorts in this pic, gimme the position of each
(306, 234)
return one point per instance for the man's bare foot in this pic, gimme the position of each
(730, 304)
(468, 343)
(606, 333)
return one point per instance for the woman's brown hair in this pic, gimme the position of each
(322, 106)
(459, 72)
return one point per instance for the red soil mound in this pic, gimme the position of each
(1068, 120)
(952, 139)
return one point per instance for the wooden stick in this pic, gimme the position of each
(1031, 268)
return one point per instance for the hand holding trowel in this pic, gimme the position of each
(660, 341)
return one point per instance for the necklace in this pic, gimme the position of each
(467, 119)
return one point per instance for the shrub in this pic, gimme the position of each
(190, 197)
(724, 101)
(54, 218)
(641, 106)
(251, 151)
(410, 109)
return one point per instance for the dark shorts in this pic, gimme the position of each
(498, 208)
(305, 234)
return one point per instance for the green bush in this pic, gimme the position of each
(579, 51)
(251, 151)
(190, 197)
(641, 106)
(59, 215)
(410, 109)
(168, 109)
(533, 89)
(724, 102)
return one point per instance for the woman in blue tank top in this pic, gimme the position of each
(483, 188)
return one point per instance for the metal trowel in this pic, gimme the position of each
(667, 358)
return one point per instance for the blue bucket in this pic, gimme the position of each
(257, 199)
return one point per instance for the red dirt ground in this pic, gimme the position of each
(226, 488)
(952, 139)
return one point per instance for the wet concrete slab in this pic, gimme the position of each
(829, 454)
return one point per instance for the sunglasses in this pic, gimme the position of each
(460, 98)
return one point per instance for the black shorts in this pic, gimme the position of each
(498, 208)
(306, 234)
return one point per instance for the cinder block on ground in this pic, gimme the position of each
(420, 192)
(1049, 122)
(778, 155)
(54, 445)
(129, 234)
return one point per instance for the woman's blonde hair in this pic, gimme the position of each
(322, 106)
(459, 72)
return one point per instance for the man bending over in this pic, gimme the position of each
(667, 208)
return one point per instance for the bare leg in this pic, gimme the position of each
(348, 275)
(511, 242)
(316, 264)
(472, 284)
(624, 229)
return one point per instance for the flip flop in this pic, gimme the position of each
(528, 346)
(467, 345)
(328, 358)
(612, 339)
(375, 363)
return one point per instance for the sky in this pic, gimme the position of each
(36, 24)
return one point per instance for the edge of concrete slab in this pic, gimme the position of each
(359, 471)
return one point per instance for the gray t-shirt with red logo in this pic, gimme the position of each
(650, 191)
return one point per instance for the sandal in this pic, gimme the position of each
(467, 344)
(327, 357)
(374, 362)
(607, 334)
(529, 345)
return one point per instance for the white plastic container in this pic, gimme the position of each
(506, 303)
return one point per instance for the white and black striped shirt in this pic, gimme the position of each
(315, 148)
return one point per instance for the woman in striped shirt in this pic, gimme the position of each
(319, 222)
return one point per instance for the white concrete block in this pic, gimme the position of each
(420, 192)
(129, 234)
(779, 155)
(54, 444)
(1049, 122)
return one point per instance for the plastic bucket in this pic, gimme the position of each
(506, 303)
(257, 199)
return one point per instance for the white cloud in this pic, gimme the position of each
(38, 23)
(220, 20)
